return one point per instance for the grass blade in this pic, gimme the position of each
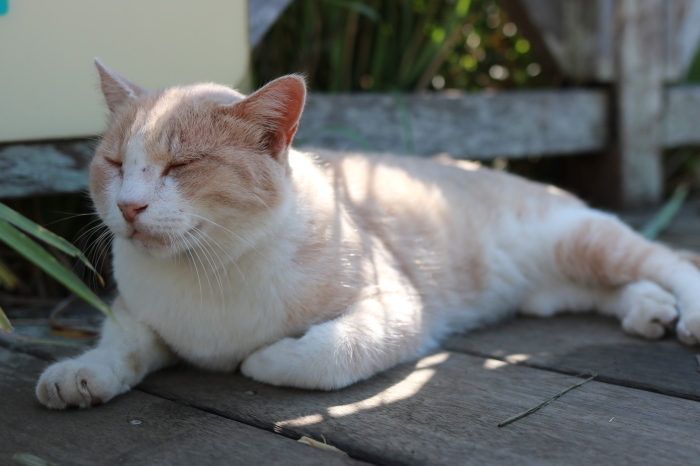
(41, 233)
(49, 264)
(5, 322)
(8, 280)
(358, 7)
(668, 212)
(546, 402)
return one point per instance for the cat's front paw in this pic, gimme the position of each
(77, 384)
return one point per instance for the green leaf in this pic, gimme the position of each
(358, 7)
(665, 216)
(41, 233)
(5, 322)
(8, 280)
(49, 264)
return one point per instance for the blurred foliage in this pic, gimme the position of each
(403, 45)
(409, 45)
(20, 234)
(69, 216)
(682, 165)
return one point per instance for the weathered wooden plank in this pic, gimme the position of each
(580, 343)
(639, 91)
(682, 116)
(39, 169)
(32, 331)
(476, 126)
(444, 410)
(168, 432)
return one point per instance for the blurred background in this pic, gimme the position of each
(595, 96)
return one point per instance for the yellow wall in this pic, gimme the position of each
(49, 87)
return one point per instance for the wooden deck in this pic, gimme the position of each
(643, 408)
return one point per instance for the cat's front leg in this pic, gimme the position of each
(127, 351)
(369, 337)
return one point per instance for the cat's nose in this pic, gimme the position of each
(131, 210)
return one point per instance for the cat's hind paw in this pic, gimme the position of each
(688, 329)
(76, 384)
(651, 310)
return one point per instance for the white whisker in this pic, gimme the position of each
(227, 230)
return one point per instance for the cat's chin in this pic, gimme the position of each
(156, 246)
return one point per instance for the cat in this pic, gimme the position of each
(320, 270)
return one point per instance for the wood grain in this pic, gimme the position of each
(444, 409)
(169, 433)
(682, 116)
(464, 125)
(579, 343)
(40, 169)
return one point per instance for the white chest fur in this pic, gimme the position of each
(211, 317)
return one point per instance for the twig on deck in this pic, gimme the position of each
(545, 403)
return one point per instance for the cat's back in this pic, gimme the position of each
(441, 219)
(439, 186)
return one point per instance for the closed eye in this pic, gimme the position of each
(114, 163)
(175, 166)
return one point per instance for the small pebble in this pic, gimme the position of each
(135, 422)
(249, 392)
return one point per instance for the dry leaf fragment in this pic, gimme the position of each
(322, 446)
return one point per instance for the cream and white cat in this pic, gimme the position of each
(320, 270)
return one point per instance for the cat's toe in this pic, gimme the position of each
(73, 383)
(651, 312)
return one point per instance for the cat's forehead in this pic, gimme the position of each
(163, 122)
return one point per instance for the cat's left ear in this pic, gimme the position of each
(277, 107)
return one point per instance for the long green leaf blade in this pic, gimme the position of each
(665, 216)
(48, 263)
(41, 233)
(358, 7)
(5, 322)
(8, 280)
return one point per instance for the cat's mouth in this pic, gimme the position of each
(151, 240)
(147, 238)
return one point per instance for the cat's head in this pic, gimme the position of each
(191, 165)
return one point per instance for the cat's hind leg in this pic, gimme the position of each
(644, 308)
(369, 337)
(598, 251)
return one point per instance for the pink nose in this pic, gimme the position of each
(131, 210)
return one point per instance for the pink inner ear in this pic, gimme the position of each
(278, 107)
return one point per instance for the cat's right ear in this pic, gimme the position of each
(116, 88)
(277, 108)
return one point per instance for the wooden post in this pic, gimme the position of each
(634, 48)
(639, 89)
